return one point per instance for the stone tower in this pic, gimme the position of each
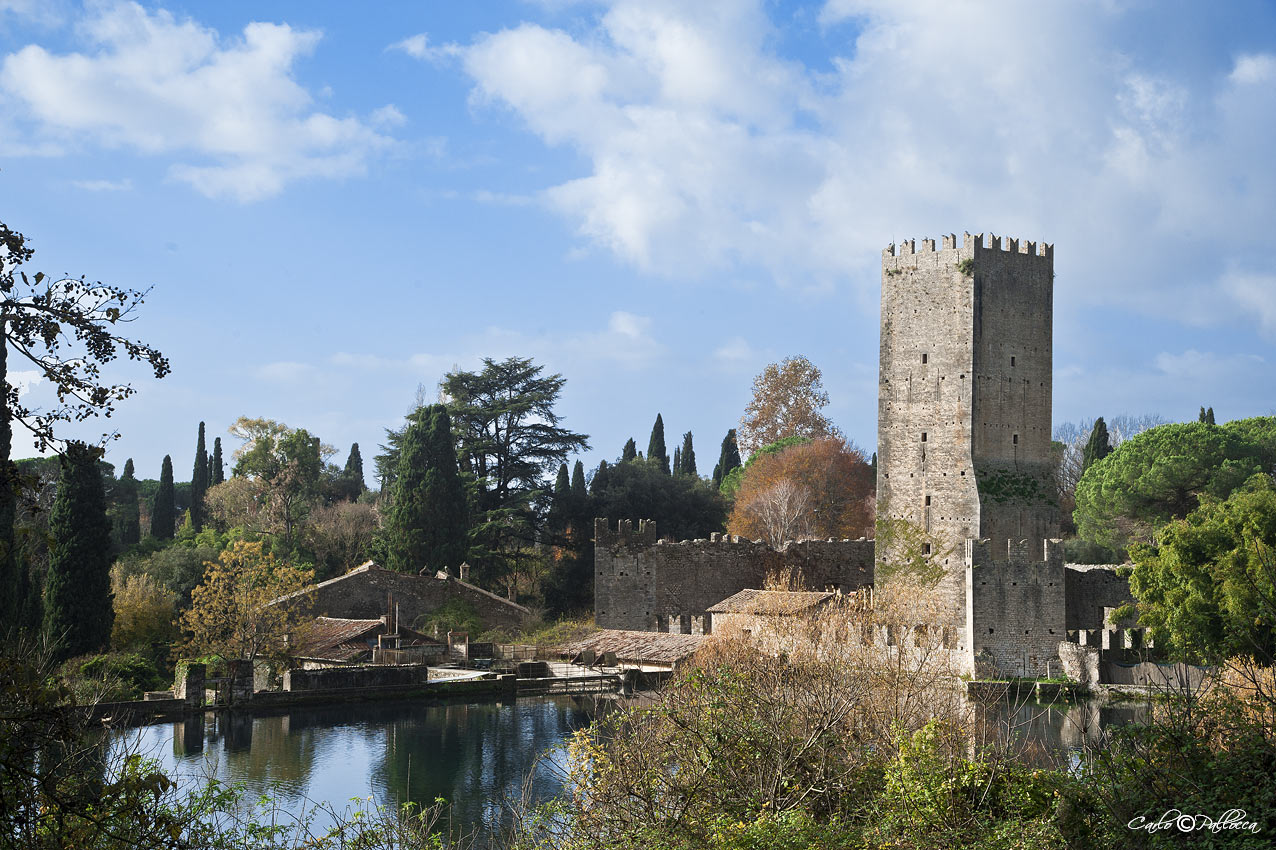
(964, 397)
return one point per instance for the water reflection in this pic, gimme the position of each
(1045, 734)
(474, 755)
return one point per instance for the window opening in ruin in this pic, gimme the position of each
(923, 436)
(928, 501)
(1012, 360)
(923, 359)
(1016, 439)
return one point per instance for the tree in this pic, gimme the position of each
(286, 468)
(216, 469)
(787, 399)
(560, 502)
(579, 496)
(656, 445)
(816, 489)
(231, 614)
(78, 594)
(42, 319)
(340, 536)
(427, 524)
(199, 481)
(352, 475)
(687, 456)
(1098, 447)
(1162, 474)
(630, 451)
(1207, 587)
(682, 506)
(128, 524)
(144, 612)
(728, 458)
(508, 438)
(163, 509)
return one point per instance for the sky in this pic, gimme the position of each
(333, 206)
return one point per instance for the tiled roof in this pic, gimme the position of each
(325, 634)
(771, 602)
(654, 647)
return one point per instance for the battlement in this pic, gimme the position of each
(624, 536)
(972, 245)
(1010, 551)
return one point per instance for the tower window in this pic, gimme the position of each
(923, 436)
(924, 358)
(1012, 360)
(928, 501)
(1016, 439)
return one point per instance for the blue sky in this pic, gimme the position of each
(655, 199)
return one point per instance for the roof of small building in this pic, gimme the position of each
(342, 639)
(779, 602)
(653, 647)
(371, 566)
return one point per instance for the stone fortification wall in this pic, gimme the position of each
(362, 593)
(1015, 598)
(1090, 589)
(643, 584)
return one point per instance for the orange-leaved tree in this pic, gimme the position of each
(819, 489)
(788, 398)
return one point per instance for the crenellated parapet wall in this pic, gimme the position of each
(642, 583)
(1015, 606)
(972, 245)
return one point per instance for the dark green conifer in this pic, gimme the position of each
(630, 452)
(1209, 416)
(199, 481)
(1098, 447)
(578, 484)
(163, 509)
(687, 456)
(427, 526)
(78, 609)
(559, 507)
(656, 445)
(353, 473)
(1200, 417)
(677, 460)
(217, 472)
(129, 528)
(728, 458)
(599, 481)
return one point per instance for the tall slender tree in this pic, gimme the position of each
(677, 460)
(656, 445)
(688, 456)
(560, 502)
(578, 483)
(78, 609)
(1098, 447)
(163, 508)
(199, 481)
(630, 451)
(427, 525)
(728, 458)
(216, 469)
(353, 473)
(129, 528)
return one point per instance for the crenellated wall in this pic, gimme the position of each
(1015, 606)
(644, 584)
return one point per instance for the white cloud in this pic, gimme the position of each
(706, 149)
(103, 185)
(165, 86)
(1256, 294)
(1197, 366)
(418, 47)
(735, 351)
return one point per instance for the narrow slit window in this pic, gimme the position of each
(1016, 439)
(1012, 360)
(923, 436)
(924, 359)
(928, 501)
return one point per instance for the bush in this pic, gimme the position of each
(111, 677)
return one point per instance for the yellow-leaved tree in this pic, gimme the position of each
(231, 614)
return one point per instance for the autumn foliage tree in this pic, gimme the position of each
(818, 489)
(231, 615)
(787, 399)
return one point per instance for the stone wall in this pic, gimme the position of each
(364, 593)
(643, 584)
(1015, 601)
(1090, 589)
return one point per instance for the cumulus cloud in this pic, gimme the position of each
(418, 47)
(229, 107)
(706, 148)
(103, 185)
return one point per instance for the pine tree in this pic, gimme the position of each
(199, 481)
(78, 595)
(688, 456)
(1098, 447)
(427, 525)
(216, 471)
(129, 529)
(630, 452)
(656, 445)
(163, 509)
(728, 458)
(353, 473)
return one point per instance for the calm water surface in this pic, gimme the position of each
(476, 755)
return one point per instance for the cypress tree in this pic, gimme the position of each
(216, 471)
(874, 463)
(656, 445)
(630, 452)
(130, 520)
(578, 484)
(677, 460)
(353, 472)
(78, 597)
(1209, 416)
(728, 458)
(601, 474)
(559, 509)
(1200, 417)
(199, 481)
(1098, 447)
(688, 456)
(427, 525)
(163, 509)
